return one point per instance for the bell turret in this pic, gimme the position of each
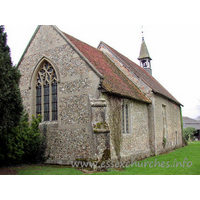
(144, 58)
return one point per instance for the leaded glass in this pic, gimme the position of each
(54, 101)
(38, 100)
(46, 85)
(123, 119)
(46, 102)
(46, 116)
(127, 119)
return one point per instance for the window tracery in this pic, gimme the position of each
(46, 92)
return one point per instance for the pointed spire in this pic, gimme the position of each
(144, 57)
(144, 53)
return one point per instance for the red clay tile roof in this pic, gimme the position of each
(143, 75)
(114, 80)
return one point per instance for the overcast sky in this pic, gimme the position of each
(171, 31)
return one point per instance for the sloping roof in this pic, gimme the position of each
(143, 75)
(144, 53)
(114, 80)
(189, 122)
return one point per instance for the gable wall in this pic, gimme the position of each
(71, 136)
(173, 122)
(136, 80)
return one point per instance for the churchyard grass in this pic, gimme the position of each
(183, 161)
(47, 170)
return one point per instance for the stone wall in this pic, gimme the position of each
(135, 144)
(82, 130)
(154, 110)
(71, 136)
(173, 121)
(100, 126)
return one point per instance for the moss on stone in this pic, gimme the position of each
(101, 125)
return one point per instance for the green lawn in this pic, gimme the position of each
(48, 170)
(169, 163)
(166, 164)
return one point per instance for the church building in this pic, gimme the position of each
(96, 101)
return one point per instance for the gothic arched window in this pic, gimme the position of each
(46, 92)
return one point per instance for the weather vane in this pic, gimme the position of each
(142, 33)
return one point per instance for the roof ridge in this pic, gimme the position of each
(67, 36)
(80, 40)
(137, 73)
(114, 80)
(127, 58)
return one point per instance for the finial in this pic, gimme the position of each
(142, 34)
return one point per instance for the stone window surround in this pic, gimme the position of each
(126, 106)
(33, 84)
(164, 116)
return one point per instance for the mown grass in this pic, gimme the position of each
(166, 164)
(48, 170)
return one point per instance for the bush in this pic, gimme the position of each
(188, 133)
(23, 143)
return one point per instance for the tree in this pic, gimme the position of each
(19, 141)
(188, 133)
(10, 97)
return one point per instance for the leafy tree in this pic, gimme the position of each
(10, 97)
(188, 133)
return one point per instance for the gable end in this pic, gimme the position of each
(66, 40)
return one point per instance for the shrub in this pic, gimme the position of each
(33, 141)
(23, 143)
(164, 141)
(188, 133)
